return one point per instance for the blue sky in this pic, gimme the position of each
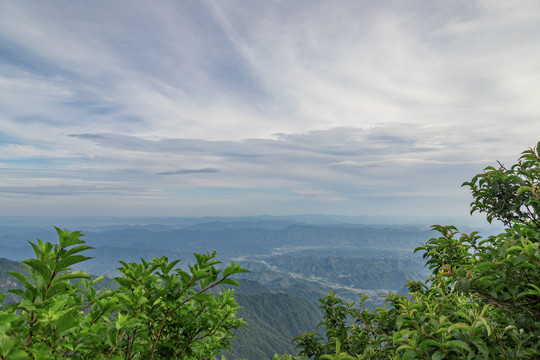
(188, 108)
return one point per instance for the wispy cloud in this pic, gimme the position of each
(304, 106)
(66, 190)
(189, 171)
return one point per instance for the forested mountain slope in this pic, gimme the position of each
(273, 318)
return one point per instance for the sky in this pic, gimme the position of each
(229, 107)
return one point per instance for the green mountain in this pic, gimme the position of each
(273, 320)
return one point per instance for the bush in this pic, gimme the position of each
(157, 312)
(482, 300)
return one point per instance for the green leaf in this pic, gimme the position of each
(7, 318)
(404, 347)
(462, 345)
(430, 342)
(67, 239)
(96, 280)
(481, 346)
(514, 249)
(18, 355)
(72, 275)
(409, 354)
(40, 267)
(57, 288)
(6, 344)
(463, 315)
(66, 324)
(437, 355)
(228, 270)
(529, 292)
(77, 249)
(22, 278)
(205, 282)
(459, 326)
(110, 336)
(66, 262)
(229, 281)
(523, 189)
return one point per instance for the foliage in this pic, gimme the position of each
(510, 195)
(157, 312)
(482, 300)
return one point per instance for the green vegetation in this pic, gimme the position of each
(157, 312)
(274, 319)
(482, 300)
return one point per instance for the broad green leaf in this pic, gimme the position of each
(67, 239)
(77, 249)
(430, 342)
(523, 189)
(40, 267)
(462, 345)
(459, 326)
(22, 278)
(66, 262)
(18, 355)
(72, 275)
(481, 346)
(6, 344)
(409, 354)
(57, 288)
(229, 281)
(437, 355)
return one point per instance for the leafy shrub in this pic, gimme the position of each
(157, 312)
(482, 300)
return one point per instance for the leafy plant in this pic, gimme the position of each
(510, 195)
(158, 312)
(482, 300)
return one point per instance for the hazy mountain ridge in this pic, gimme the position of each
(323, 255)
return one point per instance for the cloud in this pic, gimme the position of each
(389, 63)
(189, 171)
(338, 163)
(301, 102)
(384, 145)
(67, 190)
(88, 136)
(18, 151)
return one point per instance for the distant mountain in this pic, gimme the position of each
(87, 222)
(237, 240)
(346, 258)
(236, 225)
